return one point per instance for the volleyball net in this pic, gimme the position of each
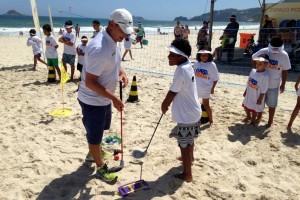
(152, 58)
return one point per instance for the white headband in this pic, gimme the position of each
(275, 49)
(177, 51)
(68, 26)
(204, 51)
(261, 59)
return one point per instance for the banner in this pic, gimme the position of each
(35, 16)
(50, 17)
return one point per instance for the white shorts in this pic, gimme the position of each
(203, 94)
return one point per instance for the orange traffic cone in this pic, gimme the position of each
(133, 95)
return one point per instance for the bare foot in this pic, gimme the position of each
(246, 119)
(123, 59)
(33, 68)
(211, 124)
(253, 123)
(269, 125)
(257, 121)
(187, 178)
(289, 127)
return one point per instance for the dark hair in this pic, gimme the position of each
(47, 27)
(267, 23)
(84, 37)
(276, 42)
(183, 45)
(210, 57)
(32, 31)
(96, 22)
(68, 23)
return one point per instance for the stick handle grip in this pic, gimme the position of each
(121, 93)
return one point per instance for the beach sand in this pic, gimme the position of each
(43, 157)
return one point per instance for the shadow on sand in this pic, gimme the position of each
(18, 68)
(243, 132)
(69, 185)
(290, 138)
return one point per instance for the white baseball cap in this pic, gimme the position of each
(123, 18)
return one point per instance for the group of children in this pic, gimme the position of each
(69, 53)
(193, 82)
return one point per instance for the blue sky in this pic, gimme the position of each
(149, 9)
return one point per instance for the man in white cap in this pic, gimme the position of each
(277, 70)
(100, 75)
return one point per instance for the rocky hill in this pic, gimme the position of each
(247, 15)
(13, 13)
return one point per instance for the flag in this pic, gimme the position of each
(64, 75)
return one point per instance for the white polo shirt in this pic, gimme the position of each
(71, 50)
(51, 51)
(186, 108)
(103, 59)
(277, 63)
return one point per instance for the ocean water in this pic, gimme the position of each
(12, 25)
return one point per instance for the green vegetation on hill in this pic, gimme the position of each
(247, 15)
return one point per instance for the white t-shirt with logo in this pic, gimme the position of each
(51, 51)
(35, 42)
(81, 49)
(71, 50)
(206, 74)
(277, 63)
(186, 108)
(103, 59)
(258, 82)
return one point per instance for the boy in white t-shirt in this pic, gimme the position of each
(127, 46)
(186, 109)
(257, 86)
(277, 70)
(80, 52)
(35, 42)
(68, 39)
(297, 107)
(51, 49)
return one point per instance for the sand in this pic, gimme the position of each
(43, 157)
